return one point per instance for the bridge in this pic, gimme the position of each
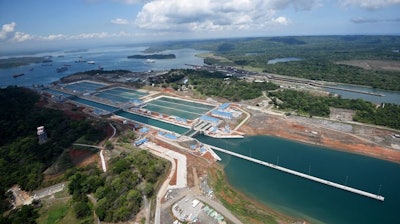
(316, 179)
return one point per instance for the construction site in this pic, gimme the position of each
(168, 121)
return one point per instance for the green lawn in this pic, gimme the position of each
(57, 210)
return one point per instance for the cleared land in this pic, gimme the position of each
(367, 140)
(373, 64)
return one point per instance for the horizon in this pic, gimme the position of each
(31, 26)
(84, 46)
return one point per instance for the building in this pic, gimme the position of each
(222, 114)
(42, 135)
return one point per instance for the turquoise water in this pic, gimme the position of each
(55, 92)
(186, 103)
(135, 117)
(85, 86)
(307, 199)
(113, 97)
(126, 92)
(121, 94)
(95, 104)
(153, 122)
(179, 108)
(172, 111)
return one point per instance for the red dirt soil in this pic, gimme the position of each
(290, 129)
(173, 179)
(82, 158)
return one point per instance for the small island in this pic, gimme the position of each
(19, 61)
(153, 56)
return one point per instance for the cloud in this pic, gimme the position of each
(281, 20)
(120, 21)
(81, 36)
(53, 37)
(369, 4)
(298, 5)
(216, 15)
(6, 30)
(21, 37)
(372, 20)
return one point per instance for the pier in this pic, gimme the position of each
(316, 179)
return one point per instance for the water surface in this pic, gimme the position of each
(307, 199)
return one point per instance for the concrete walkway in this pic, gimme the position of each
(181, 180)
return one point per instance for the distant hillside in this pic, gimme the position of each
(320, 56)
(15, 62)
(152, 56)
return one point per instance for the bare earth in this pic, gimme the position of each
(370, 141)
(373, 64)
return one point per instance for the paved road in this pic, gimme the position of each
(114, 131)
(94, 202)
(220, 208)
(41, 193)
(164, 186)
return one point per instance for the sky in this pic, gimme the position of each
(29, 24)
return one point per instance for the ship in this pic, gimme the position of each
(150, 60)
(61, 69)
(91, 62)
(80, 60)
(18, 75)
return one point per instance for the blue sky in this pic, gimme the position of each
(29, 23)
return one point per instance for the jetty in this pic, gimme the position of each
(296, 173)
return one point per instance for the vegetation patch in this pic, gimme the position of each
(15, 62)
(22, 159)
(366, 112)
(120, 191)
(319, 54)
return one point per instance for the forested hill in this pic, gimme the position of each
(22, 158)
(328, 58)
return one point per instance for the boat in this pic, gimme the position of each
(80, 60)
(61, 69)
(18, 75)
(91, 62)
(150, 60)
(100, 68)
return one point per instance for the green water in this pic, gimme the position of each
(306, 199)
(95, 104)
(84, 86)
(180, 108)
(153, 122)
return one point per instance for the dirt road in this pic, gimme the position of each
(365, 140)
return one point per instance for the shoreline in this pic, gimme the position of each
(259, 206)
(293, 130)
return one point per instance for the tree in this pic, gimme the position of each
(81, 209)
(109, 145)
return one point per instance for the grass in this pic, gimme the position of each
(57, 210)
